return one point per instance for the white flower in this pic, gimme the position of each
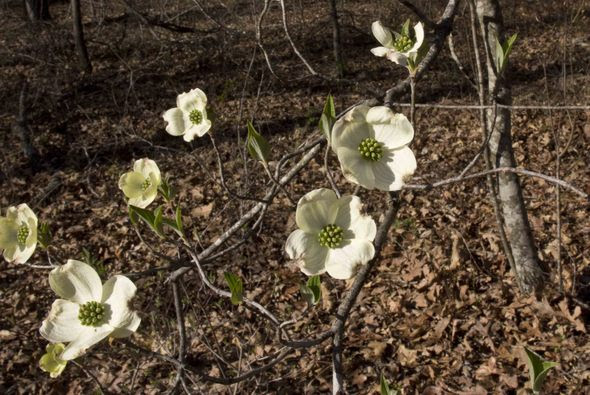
(50, 362)
(18, 233)
(89, 310)
(189, 117)
(371, 144)
(333, 235)
(400, 49)
(141, 184)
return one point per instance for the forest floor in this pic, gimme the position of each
(441, 312)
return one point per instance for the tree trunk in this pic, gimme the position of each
(336, 42)
(529, 273)
(37, 10)
(79, 37)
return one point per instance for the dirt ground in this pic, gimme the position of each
(441, 312)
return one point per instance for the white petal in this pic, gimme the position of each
(380, 51)
(147, 167)
(62, 323)
(404, 166)
(396, 134)
(296, 244)
(8, 233)
(87, 337)
(314, 259)
(10, 253)
(382, 34)
(315, 210)
(351, 129)
(76, 281)
(117, 292)
(398, 58)
(142, 201)
(197, 130)
(356, 225)
(22, 254)
(128, 330)
(419, 30)
(380, 114)
(25, 215)
(342, 261)
(349, 207)
(355, 168)
(384, 173)
(194, 99)
(132, 184)
(176, 123)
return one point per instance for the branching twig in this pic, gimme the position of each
(515, 170)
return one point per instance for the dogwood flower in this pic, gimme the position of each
(51, 362)
(141, 184)
(89, 310)
(401, 50)
(189, 117)
(371, 145)
(18, 233)
(333, 235)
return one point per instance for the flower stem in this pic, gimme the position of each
(412, 99)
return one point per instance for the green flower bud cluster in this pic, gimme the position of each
(371, 149)
(195, 116)
(146, 184)
(330, 236)
(403, 44)
(91, 313)
(22, 234)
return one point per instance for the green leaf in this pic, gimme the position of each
(499, 58)
(235, 286)
(44, 235)
(312, 291)
(179, 220)
(257, 145)
(328, 117)
(329, 108)
(502, 52)
(148, 217)
(507, 47)
(166, 190)
(158, 218)
(538, 369)
(385, 390)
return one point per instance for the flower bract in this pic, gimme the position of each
(333, 235)
(18, 233)
(141, 184)
(397, 47)
(372, 147)
(189, 117)
(88, 310)
(51, 362)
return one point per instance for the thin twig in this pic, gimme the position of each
(515, 170)
(329, 173)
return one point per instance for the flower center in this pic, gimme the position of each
(91, 313)
(195, 116)
(403, 44)
(22, 234)
(330, 236)
(371, 149)
(146, 184)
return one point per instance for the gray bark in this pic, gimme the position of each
(529, 273)
(22, 129)
(336, 41)
(79, 37)
(37, 10)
